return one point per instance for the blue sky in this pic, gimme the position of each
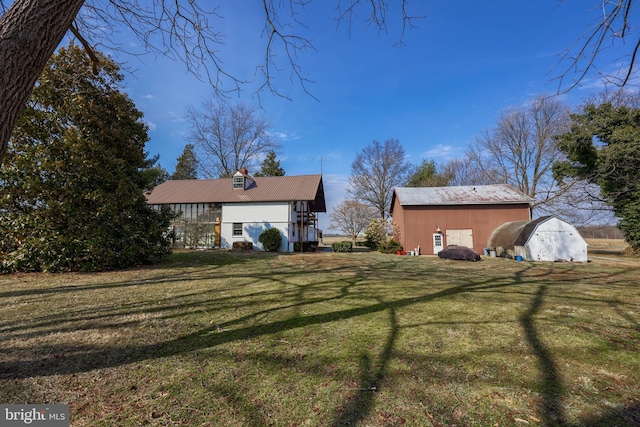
(465, 63)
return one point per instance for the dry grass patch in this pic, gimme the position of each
(607, 246)
(215, 338)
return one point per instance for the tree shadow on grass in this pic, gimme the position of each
(197, 261)
(551, 382)
(619, 416)
(70, 359)
(371, 379)
(66, 359)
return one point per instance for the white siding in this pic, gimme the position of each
(255, 218)
(256, 212)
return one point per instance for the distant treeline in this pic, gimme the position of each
(601, 232)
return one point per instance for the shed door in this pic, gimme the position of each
(463, 237)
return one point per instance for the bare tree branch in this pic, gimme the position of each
(581, 59)
(290, 43)
(87, 47)
(187, 31)
(348, 10)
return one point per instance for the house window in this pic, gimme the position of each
(237, 229)
(238, 182)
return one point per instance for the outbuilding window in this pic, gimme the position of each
(237, 229)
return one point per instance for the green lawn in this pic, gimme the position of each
(223, 339)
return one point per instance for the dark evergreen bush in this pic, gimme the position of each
(342, 246)
(271, 239)
(391, 246)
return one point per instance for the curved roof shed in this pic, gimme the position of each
(543, 239)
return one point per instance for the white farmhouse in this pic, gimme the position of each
(219, 212)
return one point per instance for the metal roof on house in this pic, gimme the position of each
(262, 189)
(461, 195)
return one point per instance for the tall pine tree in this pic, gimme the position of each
(187, 166)
(270, 166)
(73, 178)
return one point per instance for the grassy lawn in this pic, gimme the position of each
(222, 339)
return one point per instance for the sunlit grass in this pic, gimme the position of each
(217, 338)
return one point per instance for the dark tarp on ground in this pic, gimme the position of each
(459, 253)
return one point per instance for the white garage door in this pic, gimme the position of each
(463, 237)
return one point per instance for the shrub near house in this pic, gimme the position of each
(345, 246)
(270, 239)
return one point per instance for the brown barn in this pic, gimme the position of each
(435, 217)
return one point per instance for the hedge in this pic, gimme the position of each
(345, 246)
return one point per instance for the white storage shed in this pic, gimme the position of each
(543, 239)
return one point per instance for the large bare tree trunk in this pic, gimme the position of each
(30, 31)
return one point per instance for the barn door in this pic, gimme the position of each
(462, 237)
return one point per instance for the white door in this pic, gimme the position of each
(438, 243)
(462, 237)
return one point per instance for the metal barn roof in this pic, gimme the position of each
(262, 189)
(461, 195)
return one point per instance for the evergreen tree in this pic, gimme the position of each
(187, 166)
(270, 166)
(427, 175)
(603, 147)
(73, 178)
(153, 174)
